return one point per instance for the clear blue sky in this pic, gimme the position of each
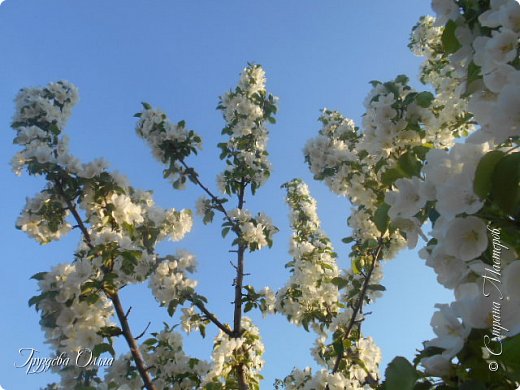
(180, 56)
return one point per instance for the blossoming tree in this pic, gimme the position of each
(444, 159)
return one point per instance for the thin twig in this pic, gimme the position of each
(359, 304)
(74, 212)
(143, 332)
(220, 206)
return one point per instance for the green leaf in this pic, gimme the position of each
(510, 356)
(472, 385)
(208, 217)
(225, 231)
(35, 300)
(421, 150)
(410, 164)
(381, 218)
(172, 306)
(450, 43)
(109, 331)
(424, 99)
(338, 347)
(326, 266)
(402, 79)
(54, 129)
(506, 177)
(391, 175)
(356, 266)
(39, 276)
(150, 342)
(422, 386)
(38, 298)
(484, 172)
(213, 386)
(400, 375)
(101, 348)
(371, 243)
(339, 282)
(146, 105)
(347, 240)
(474, 74)
(433, 215)
(376, 287)
(248, 307)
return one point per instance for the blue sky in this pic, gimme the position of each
(180, 56)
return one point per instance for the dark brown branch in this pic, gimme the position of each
(143, 332)
(132, 344)
(241, 378)
(239, 281)
(237, 316)
(220, 206)
(359, 303)
(74, 212)
(210, 316)
(122, 317)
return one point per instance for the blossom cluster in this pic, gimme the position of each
(48, 108)
(475, 48)
(229, 352)
(172, 368)
(120, 226)
(43, 218)
(122, 374)
(246, 111)
(405, 168)
(321, 380)
(254, 232)
(312, 297)
(364, 351)
(336, 156)
(108, 199)
(40, 117)
(309, 296)
(71, 322)
(169, 282)
(171, 143)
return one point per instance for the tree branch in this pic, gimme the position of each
(359, 303)
(239, 281)
(74, 212)
(220, 206)
(213, 318)
(122, 317)
(132, 344)
(143, 332)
